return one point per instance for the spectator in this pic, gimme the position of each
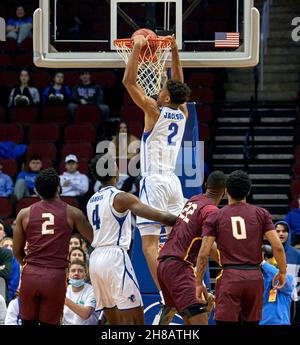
(2, 231)
(14, 279)
(124, 145)
(88, 93)
(293, 219)
(19, 27)
(2, 310)
(277, 303)
(293, 266)
(6, 261)
(80, 301)
(25, 185)
(57, 93)
(13, 313)
(24, 95)
(73, 183)
(6, 183)
(77, 253)
(75, 242)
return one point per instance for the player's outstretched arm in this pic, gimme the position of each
(202, 261)
(177, 71)
(280, 257)
(80, 222)
(126, 201)
(19, 237)
(130, 77)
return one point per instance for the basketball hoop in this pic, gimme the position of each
(151, 61)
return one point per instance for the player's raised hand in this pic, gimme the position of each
(201, 293)
(140, 40)
(172, 38)
(279, 280)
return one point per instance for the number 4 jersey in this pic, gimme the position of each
(111, 228)
(160, 146)
(185, 238)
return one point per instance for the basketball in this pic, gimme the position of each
(148, 52)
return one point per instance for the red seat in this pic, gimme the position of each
(24, 115)
(127, 100)
(44, 150)
(132, 112)
(105, 78)
(88, 114)
(6, 209)
(10, 167)
(2, 114)
(8, 79)
(27, 45)
(83, 150)
(71, 78)
(80, 133)
(10, 45)
(40, 133)
(205, 113)
(55, 114)
(41, 79)
(204, 132)
(135, 128)
(203, 95)
(26, 202)
(24, 60)
(295, 187)
(82, 166)
(70, 200)
(12, 132)
(204, 79)
(5, 61)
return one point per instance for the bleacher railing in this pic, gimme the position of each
(264, 35)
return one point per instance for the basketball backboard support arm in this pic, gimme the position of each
(46, 56)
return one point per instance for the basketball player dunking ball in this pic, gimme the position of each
(239, 229)
(47, 227)
(165, 120)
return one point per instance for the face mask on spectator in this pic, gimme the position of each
(76, 282)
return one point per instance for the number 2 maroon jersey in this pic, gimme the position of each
(239, 230)
(185, 238)
(48, 234)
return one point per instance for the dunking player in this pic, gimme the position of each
(177, 259)
(113, 278)
(239, 229)
(164, 128)
(47, 227)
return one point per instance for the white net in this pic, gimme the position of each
(151, 62)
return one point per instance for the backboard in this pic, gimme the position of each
(209, 33)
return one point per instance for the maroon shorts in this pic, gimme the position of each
(177, 282)
(42, 294)
(239, 295)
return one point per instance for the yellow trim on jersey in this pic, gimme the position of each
(219, 275)
(219, 257)
(190, 247)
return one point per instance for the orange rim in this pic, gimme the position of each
(162, 42)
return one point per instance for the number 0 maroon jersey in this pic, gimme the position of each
(185, 238)
(48, 234)
(239, 230)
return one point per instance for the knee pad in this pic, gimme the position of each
(193, 310)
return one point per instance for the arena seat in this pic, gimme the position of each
(71, 78)
(127, 100)
(204, 132)
(105, 78)
(82, 150)
(2, 114)
(10, 45)
(9, 167)
(26, 202)
(72, 201)
(203, 95)
(82, 166)
(41, 79)
(45, 150)
(205, 113)
(43, 133)
(135, 128)
(204, 79)
(24, 60)
(55, 114)
(132, 112)
(8, 79)
(80, 133)
(5, 61)
(295, 187)
(27, 45)
(88, 114)
(12, 132)
(24, 115)
(6, 208)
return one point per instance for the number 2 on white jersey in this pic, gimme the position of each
(46, 223)
(238, 228)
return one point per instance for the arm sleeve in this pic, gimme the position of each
(210, 225)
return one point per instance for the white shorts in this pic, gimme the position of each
(162, 192)
(113, 279)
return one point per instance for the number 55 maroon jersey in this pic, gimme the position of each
(185, 238)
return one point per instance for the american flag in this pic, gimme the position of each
(227, 39)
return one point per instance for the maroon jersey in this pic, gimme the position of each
(185, 238)
(239, 230)
(48, 234)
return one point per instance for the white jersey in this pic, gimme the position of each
(160, 146)
(111, 228)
